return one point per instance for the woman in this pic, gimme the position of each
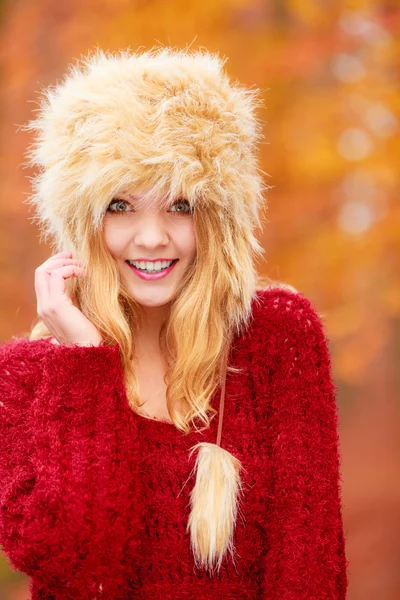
(110, 487)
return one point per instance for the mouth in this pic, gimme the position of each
(149, 274)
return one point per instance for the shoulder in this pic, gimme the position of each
(290, 340)
(283, 317)
(285, 304)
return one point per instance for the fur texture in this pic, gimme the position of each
(214, 502)
(168, 119)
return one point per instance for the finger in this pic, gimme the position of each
(56, 258)
(45, 288)
(41, 287)
(49, 266)
(57, 281)
(52, 263)
(64, 254)
(43, 272)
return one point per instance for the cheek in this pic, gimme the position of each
(186, 240)
(113, 235)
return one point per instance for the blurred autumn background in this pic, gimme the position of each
(329, 75)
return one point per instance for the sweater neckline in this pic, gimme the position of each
(155, 423)
(153, 419)
(158, 431)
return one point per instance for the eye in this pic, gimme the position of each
(183, 203)
(121, 203)
(118, 202)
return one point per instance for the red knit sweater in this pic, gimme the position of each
(94, 499)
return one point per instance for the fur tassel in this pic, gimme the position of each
(214, 504)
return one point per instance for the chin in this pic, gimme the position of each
(153, 298)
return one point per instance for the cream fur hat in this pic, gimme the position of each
(172, 122)
(168, 119)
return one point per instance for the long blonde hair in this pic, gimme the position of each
(171, 122)
(193, 359)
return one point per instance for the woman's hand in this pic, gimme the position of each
(55, 308)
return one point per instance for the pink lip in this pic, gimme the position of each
(144, 275)
(152, 259)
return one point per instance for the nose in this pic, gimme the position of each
(151, 232)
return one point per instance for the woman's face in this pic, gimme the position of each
(146, 236)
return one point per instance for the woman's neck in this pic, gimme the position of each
(147, 341)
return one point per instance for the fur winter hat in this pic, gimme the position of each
(171, 122)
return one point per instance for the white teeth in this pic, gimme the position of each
(151, 267)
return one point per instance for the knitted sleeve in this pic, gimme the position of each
(305, 554)
(65, 482)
